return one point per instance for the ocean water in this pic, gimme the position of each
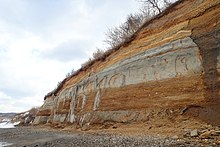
(5, 144)
(8, 124)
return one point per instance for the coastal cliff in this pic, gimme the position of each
(169, 67)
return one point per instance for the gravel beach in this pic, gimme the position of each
(37, 137)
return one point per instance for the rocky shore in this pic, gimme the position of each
(42, 137)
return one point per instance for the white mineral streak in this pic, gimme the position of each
(83, 101)
(97, 101)
(72, 105)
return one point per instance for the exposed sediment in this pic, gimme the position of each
(171, 63)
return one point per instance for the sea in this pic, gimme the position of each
(7, 124)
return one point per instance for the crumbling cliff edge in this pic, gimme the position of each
(169, 69)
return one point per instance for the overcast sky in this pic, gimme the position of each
(42, 40)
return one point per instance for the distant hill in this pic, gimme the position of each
(7, 115)
(10, 120)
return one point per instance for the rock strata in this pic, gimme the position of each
(171, 63)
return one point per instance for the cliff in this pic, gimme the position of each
(170, 67)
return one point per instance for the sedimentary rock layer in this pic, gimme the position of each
(173, 61)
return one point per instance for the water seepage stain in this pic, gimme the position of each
(210, 50)
(209, 45)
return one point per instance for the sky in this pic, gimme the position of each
(42, 40)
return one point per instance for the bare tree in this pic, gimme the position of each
(73, 71)
(156, 6)
(58, 84)
(134, 21)
(167, 3)
(113, 37)
(118, 35)
(70, 73)
(86, 63)
(98, 53)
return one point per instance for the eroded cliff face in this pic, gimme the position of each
(171, 66)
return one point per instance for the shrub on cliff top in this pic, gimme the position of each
(118, 35)
(98, 53)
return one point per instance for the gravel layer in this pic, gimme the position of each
(32, 137)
